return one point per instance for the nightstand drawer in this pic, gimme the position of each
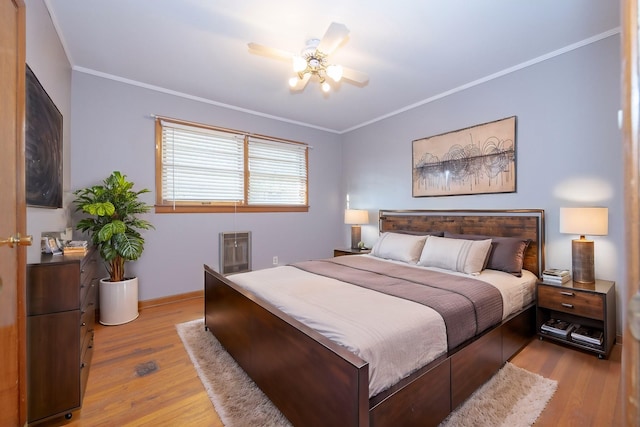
(571, 301)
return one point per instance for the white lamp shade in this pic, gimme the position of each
(356, 216)
(584, 221)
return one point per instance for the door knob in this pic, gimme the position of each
(17, 240)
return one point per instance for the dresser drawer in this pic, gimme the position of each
(45, 295)
(88, 272)
(87, 323)
(85, 363)
(89, 300)
(571, 301)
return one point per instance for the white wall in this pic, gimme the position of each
(113, 130)
(568, 148)
(49, 63)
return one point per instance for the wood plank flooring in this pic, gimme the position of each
(141, 375)
(589, 389)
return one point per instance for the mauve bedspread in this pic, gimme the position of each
(468, 306)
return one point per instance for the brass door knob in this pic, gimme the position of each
(17, 240)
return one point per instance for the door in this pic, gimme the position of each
(630, 135)
(12, 214)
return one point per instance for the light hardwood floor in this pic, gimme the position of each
(141, 375)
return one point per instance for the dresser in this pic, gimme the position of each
(61, 303)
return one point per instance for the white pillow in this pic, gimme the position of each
(465, 256)
(399, 247)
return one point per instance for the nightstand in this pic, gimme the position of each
(350, 251)
(592, 306)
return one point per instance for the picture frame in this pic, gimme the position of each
(479, 159)
(43, 146)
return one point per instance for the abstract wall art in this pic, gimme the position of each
(476, 160)
(43, 147)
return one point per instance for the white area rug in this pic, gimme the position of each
(514, 397)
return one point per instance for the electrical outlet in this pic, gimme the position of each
(275, 260)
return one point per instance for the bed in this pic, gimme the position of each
(314, 380)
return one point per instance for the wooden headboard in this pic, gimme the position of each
(525, 223)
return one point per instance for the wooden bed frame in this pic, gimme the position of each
(316, 382)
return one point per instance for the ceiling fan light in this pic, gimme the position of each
(293, 81)
(335, 72)
(299, 64)
(325, 87)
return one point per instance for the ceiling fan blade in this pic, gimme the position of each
(301, 83)
(269, 51)
(335, 34)
(354, 76)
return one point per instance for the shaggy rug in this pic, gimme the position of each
(514, 397)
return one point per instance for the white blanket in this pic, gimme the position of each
(396, 337)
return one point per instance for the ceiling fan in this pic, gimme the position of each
(313, 60)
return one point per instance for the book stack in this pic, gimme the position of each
(76, 247)
(588, 336)
(556, 275)
(557, 327)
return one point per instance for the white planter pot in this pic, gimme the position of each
(118, 301)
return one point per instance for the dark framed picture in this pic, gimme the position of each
(43, 147)
(475, 160)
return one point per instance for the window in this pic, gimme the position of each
(203, 168)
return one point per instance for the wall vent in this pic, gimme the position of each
(235, 252)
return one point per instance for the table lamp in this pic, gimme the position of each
(583, 221)
(355, 217)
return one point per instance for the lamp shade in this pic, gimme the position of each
(356, 216)
(584, 221)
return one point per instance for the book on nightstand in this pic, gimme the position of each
(556, 275)
(586, 335)
(557, 327)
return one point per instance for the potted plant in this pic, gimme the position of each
(114, 228)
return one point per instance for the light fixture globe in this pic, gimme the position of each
(335, 72)
(293, 81)
(299, 64)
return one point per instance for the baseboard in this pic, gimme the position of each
(170, 299)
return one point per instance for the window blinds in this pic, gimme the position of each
(207, 166)
(277, 173)
(201, 165)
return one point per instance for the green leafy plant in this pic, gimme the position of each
(113, 224)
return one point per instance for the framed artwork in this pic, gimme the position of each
(476, 160)
(43, 147)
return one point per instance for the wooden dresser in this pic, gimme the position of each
(61, 303)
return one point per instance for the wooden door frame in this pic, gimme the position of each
(13, 271)
(631, 155)
(13, 330)
(21, 214)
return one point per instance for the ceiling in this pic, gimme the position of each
(413, 51)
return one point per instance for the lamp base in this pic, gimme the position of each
(582, 261)
(355, 236)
